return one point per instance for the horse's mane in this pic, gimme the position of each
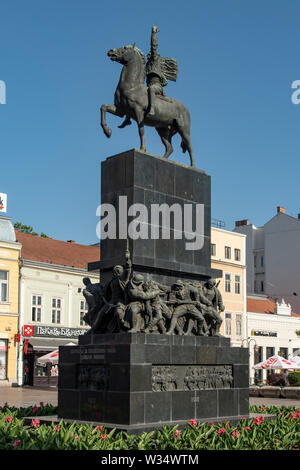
(142, 55)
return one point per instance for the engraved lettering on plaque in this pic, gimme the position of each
(92, 377)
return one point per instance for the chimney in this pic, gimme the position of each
(71, 241)
(281, 210)
(238, 223)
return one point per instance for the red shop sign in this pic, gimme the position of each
(28, 330)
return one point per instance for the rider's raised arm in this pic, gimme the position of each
(154, 41)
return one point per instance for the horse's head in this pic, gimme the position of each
(124, 54)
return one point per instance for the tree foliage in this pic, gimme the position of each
(28, 229)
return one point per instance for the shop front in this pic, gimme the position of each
(39, 341)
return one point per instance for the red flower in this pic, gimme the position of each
(177, 433)
(9, 419)
(16, 443)
(236, 434)
(41, 403)
(103, 436)
(221, 431)
(227, 425)
(99, 428)
(193, 422)
(34, 409)
(247, 427)
(35, 423)
(211, 423)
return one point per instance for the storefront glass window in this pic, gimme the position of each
(3, 359)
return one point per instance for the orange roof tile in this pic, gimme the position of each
(48, 250)
(260, 305)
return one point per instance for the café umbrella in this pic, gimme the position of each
(278, 362)
(51, 356)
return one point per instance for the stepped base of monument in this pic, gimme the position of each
(141, 381)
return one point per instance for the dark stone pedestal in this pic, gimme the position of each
(137, 382)
(147, 179)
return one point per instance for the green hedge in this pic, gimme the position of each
(294, 379)
(281, 433)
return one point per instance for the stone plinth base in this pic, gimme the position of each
(137, 381)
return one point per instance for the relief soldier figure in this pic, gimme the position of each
(212, 293)
(186, 298)
(137, 309)
(157, 308)
(114, 300)
(93, 297)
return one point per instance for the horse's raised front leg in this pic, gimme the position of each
(112, 109)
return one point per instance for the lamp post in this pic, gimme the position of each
(246, 342)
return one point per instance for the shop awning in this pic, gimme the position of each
(49, 344)
(278, 362)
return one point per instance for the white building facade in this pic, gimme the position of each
(51, 303)
(272, 330)
(273, 257)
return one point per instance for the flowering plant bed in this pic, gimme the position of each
(281, 433)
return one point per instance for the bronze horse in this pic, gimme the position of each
(131, 100)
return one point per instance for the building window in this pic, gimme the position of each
(238, 324)
(262, 261)
(237, 284)
(283, 352)
(228, 324)
(56, 310)
(237, 254)
(227, 252)
(83, 310)
(270, 351)
(255, 261)
(261, 286)
(227, 282)
(212, 249)
(3, 286)
(36, 308)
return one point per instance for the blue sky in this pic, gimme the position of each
(237, 61)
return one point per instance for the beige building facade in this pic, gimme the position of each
(228, 251)
(9, 301)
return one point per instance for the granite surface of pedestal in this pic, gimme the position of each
(137, 381)
(147, 179)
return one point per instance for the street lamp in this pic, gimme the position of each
(248, 340)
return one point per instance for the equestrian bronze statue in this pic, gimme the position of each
(148, 104)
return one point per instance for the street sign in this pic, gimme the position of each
(3, 202)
